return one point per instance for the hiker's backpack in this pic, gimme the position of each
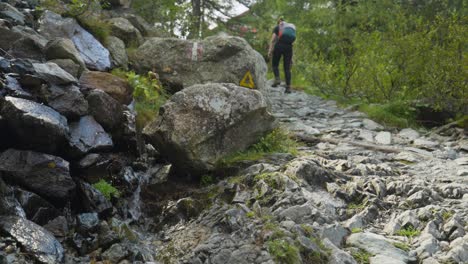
(287, 33)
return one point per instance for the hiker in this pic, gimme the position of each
(284, 35)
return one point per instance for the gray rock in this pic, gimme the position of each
(379, 246)
(23, 116)
(124, 30)
(313, 174)
(406, 219)
(409, 134)
(426, 144)
(139, 23)
(298, 213)
(58, 227)
(459, 250)
(53, 74)
(462, 172)
(87, 222)
(63, 48)
(116, 253)
(69, 66)
(19, 45)
(462, 161)
(366, 135)
(91, 50)
(45, 174)
(67, 100)
(430, 260)
(384, 138)
(428, 247)
(335, 233)
(218, 59)
(204, 123)
(12, 14)
(118, 53)
(34, 239)
(105, 109)
(371, 125)
(87, 135)
(36, 208)
(338, 256)
(13, 88)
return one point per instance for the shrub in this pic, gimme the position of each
(106, 189)
(284, 252)
(148, 93)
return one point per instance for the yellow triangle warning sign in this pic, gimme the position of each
(247, 81)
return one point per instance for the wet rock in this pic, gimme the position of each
(93, 200)
(117, 51)
(124, 30)
(183, 63)
(9, 205)
(44, 174)
(87, 135)
(105, 109)
(53, 74)
(384, 138)
(204, 123)
(379, 246)
(67, 100)
(37, 209)
(91, 50)
(34, 239)
(63, 48)
(87, 223)
(116, 87)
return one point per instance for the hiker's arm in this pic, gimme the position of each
(272, 44)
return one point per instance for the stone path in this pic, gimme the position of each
(424, 187)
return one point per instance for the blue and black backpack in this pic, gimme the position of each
(287, 33)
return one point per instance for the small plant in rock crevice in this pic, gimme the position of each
(408, 231)
(356, 230)
(361, 256)
(106, 189)
(402, 246)
(284, 252)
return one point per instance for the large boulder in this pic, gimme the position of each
(19, 45)
(12, 14)
(118, 53)
(34, 125)
(116, 87)
(182, 63)
(52, 73)
(44, 174)
(35, 240)
(105, 109)
(91, 50)
(204, 123)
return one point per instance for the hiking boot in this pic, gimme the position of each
(288, 89)
(276, 82)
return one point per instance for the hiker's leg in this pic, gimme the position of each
(275, 62)
(288, 53)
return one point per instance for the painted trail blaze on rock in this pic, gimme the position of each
(204, 123)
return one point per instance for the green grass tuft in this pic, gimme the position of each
(409, 231)
(356, 230)
(402, 246)
(361, 256)
(284, 252)
(106, 189)
(278, 141)
(99, 28)
(206, 180)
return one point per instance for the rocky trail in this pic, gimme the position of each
(80, 184)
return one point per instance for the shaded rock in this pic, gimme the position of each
(334, 233)
(124, 30)
(20, 46)
(9, 205)
(34, 239)
(116, 87)
(91, 50)
(13, 88)
(379, 246)
(217, 59)
(67, 100)
(58, 227)
(139, 23)
(87, 135)
(313, 174)
(93, 200)
(53, 74)
(37, 209)
(69, 66)
(105, 109)
(23, 116)
(204, 123)
(118, 53)
(116, 253)
(63, 48)
(45, 174)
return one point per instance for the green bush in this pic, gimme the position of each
(106, 189)
(409, 231)
(284, 252)
(148, 93)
